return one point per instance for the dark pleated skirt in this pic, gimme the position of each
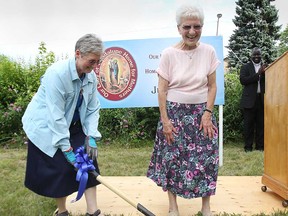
(55, 177)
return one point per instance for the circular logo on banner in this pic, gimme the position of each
(117, 74)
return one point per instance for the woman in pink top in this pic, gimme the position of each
(184, 161)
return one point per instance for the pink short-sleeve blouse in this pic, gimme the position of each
(187, 72)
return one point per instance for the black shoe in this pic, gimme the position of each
(96, 213)
(61, 214)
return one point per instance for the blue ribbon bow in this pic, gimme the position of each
(83, 165)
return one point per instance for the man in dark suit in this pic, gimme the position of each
(252, 77)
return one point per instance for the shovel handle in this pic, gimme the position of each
(138, 206)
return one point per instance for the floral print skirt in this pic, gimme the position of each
(189, 166)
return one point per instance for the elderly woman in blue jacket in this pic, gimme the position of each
(61, 117)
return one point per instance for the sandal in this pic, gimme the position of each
(96, 213)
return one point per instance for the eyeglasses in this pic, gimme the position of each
(91, 61)
(188, 27)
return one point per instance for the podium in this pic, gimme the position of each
(275, 174)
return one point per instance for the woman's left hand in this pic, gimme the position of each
(91, 147)
(207, 125)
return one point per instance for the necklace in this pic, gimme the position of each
(188, 50)
(190, 55)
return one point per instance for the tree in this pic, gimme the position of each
(283, 45)
(255, 27)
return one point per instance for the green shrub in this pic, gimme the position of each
(12, 95)
(232, 115)
(130, 124)
(19, 83)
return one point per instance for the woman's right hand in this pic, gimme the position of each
(169, 131)
(70, 156)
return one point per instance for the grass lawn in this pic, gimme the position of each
(114, 160)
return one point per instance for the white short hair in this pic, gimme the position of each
(189, 11)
